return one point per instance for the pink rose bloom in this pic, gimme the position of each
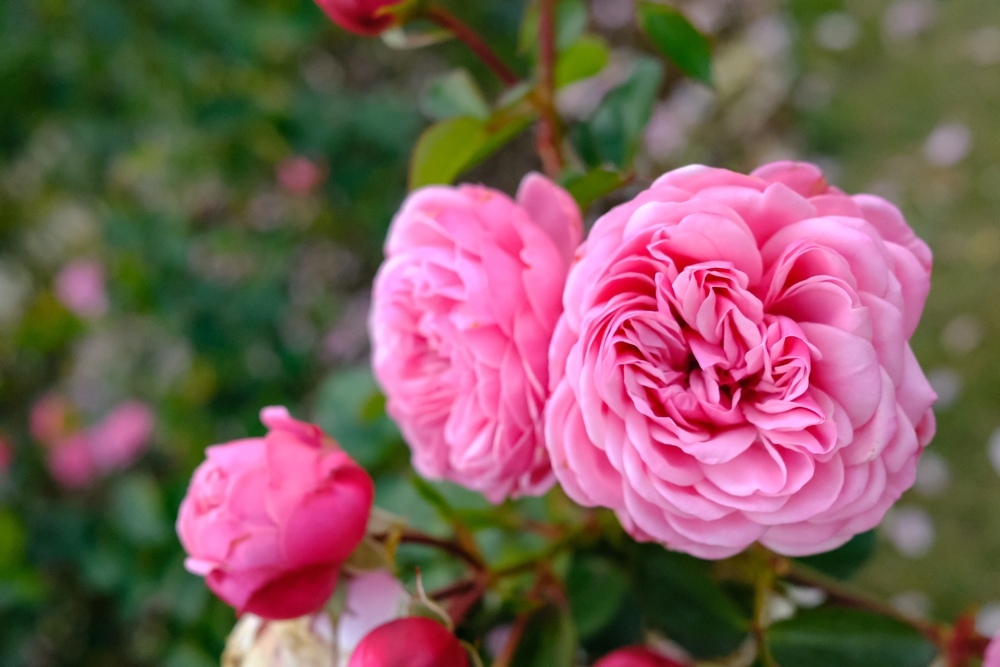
(992, 657)
(733, 362)
(636, 656)
(363, 17)
(71, 463)
(410, 642)
(462, 315)
(80, 287)
(269, 521)
(118, 440)
(371, 599)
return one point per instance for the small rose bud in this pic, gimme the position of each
(636, 656)
(269, 521)
(363, 17)
(410, 642)
(304, 642)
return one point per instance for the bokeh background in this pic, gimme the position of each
(193, 196)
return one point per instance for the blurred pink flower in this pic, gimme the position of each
(6, 455)
(270, 521)
(299, 175)
(462, 314)
(77, 457)
(733, 363)
(118, 439)
(371, 599)
(80, 287)
(71, 463)
(49, 420)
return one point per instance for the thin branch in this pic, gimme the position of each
(449, 546)
(849, 596)
(549, 126)
(466, 34)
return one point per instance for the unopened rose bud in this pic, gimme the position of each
(636, 656)
(270, 521)
(363, 17)
(410, 642)
(303, 642)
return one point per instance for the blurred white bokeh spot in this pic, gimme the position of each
(948, 144)
(911, 531)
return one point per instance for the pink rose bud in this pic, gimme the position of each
(636, 656)
(410, 642)
(269, 521)
(120, 437)
(463, 311)
(733, 364)
(80, 287)
(363, 17)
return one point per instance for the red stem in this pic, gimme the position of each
(549, 128)
(466, 34)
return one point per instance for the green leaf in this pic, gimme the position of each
(351, 409)
(586, 188)
(449, 148)
(842, 563)
(548, 641)
(677, 39)
(12, 541)
(613, 133)
(454, 94)
(445, 150)
(571, 21)
(680, 598)
(834, 637)
(584, 58)
(594, 578)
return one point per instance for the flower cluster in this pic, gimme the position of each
(731, 363)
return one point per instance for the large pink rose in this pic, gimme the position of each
(733, 362)
(269, 521)
(992, 657)
(462, 316)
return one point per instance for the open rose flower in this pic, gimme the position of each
(733, 362)
(269, 521)
(363, 17)
(462, 316)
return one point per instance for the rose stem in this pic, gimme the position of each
(847, 595)
(466, 34)
(549, 128)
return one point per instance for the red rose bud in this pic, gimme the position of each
(410, 642)
(636, 656)
(363, 17)
(270, 521)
